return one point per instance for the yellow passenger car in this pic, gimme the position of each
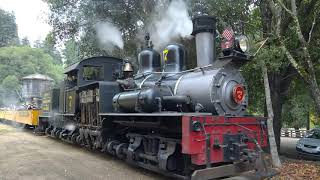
(29, 117)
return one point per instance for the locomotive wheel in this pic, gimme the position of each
(52, 133)
(120, 150)
(104, 147)
(78, 139)
(61, 135)
(57, 133)
(110, 147)
(47, 131)
(74, 138)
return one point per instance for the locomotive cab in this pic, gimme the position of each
(87, 91)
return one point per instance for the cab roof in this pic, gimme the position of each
(77, 65)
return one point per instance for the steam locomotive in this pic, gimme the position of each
(184, 123)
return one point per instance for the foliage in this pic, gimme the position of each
(70, 52)
(298, 170)
(288, 31)
(23, 61)
(9, 90)
(299, 108)
(17, 62)
(25, 41)
(76, 20)
(8, 29)
(48, 46)
(296, 111)
(10, 82)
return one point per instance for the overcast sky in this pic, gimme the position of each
(31, 17)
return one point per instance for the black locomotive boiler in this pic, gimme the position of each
(184, 123)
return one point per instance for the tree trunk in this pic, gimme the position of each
(273, 145)
(279, 83)
(277, 102)
(277, 115)
(314, 88)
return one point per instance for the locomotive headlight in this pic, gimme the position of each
(242, 43)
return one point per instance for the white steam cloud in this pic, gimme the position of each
(109, 36)
(174, 22)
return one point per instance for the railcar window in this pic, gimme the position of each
(93, 73)
(72, 80)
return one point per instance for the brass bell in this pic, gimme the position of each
(127, 67)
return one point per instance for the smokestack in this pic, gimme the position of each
(204, 29)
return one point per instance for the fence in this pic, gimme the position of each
(293, 133)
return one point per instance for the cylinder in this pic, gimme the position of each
(144, 100)
(204, 28)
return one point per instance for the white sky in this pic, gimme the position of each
(31, 17)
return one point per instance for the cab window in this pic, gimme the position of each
(93, 73)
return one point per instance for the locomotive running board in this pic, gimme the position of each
(155, 114)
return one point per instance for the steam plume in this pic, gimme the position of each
(173, 23)
(109, 36)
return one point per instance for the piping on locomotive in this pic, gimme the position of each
(184, 123)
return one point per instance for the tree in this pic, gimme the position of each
(9, 89)
(25, 41)
(10, 82)
(70, 52)
(48, 45)
(281, 72)
(297, 109)
(17, 62)
(304, 62)
(8, 29)
(23, 61)
(80, 17)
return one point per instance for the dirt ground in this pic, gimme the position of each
(28, 157)
(24, 156)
